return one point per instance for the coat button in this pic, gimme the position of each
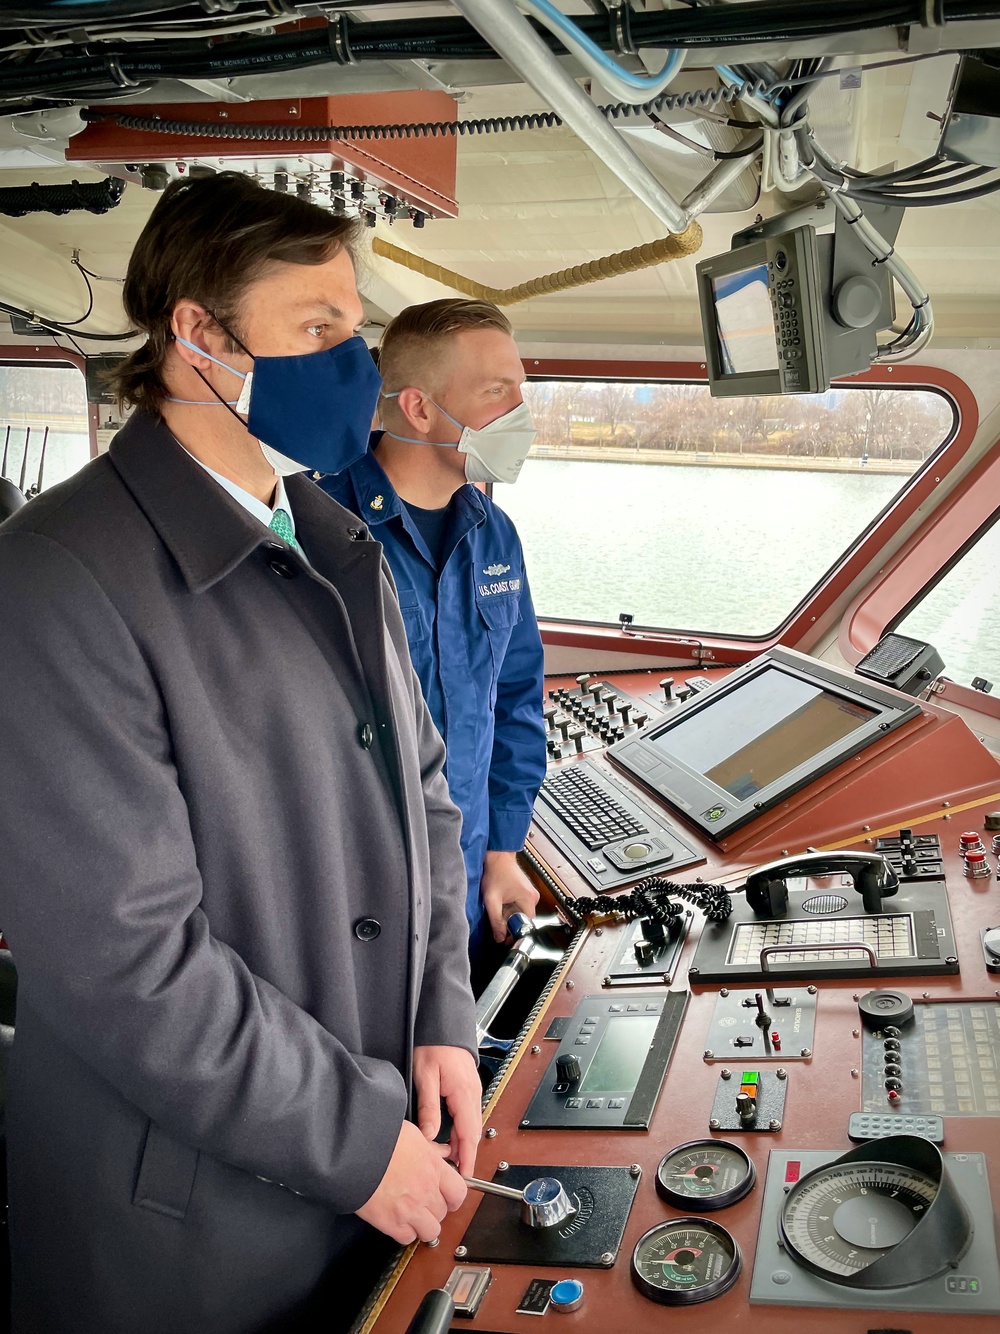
(282, 567)
(366, 928)
(365, 735)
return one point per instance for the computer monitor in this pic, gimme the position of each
(762, 309)
(797, 302)
(764, 732)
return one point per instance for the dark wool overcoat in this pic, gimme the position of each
(232, 884)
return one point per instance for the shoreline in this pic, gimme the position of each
(700, 459)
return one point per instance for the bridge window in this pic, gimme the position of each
(44, 435)
(960, 614)
(703, 514)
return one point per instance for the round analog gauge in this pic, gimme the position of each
(704, 1175)
(839, 1220)
(684, 1261)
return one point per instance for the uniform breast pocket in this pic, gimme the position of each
(499, 615)
(416, 618)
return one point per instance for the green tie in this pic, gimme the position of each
(281, 524)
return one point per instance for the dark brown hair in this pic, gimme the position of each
(415, 340)
(207, 240)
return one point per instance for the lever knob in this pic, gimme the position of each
(582, 680)
(653, 931)
(667, 686)
(624, 708)
(568, 1068)
(576, 735)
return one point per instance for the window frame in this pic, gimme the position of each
(814, 613)
(56, 358)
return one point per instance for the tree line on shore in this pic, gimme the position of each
(865, 423)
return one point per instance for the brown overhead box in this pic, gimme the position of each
(418, 171)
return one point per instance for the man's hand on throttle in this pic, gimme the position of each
(505, 890)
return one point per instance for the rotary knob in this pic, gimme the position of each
(567, 1068)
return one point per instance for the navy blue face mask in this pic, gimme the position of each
(310, 412)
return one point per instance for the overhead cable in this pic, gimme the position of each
(618, 80)
(697, 99)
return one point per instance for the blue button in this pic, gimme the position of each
(566, 1295)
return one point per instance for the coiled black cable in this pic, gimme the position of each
(536, 120)
(652, 898)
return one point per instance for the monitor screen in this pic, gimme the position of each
(618, 1061)
(745, 322)
(766, 727)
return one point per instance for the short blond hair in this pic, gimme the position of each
(410, 351)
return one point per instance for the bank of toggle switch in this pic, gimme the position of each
(593, 708)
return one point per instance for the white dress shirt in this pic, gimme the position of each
(250, 503)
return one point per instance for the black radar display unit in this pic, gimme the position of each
(766, 731)
(884, 1215)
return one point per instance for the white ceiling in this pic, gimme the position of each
(535, 202)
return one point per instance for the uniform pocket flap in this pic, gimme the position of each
(499, 613)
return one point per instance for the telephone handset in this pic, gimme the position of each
(874, 879)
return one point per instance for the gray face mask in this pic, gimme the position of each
(493, 453)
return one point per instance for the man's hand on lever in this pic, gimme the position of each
(420, 1187)
(450, 1073)
(506, 889)
(418, 1190)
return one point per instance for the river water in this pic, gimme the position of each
(711, 549)
(729, 550)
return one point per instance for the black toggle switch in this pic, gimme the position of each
(567, 1068)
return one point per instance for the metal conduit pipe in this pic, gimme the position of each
(515, 41)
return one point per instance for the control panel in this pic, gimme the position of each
(777, 1102)
(590, 715)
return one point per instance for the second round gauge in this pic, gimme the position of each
(705, 1174)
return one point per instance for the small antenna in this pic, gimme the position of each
(24, 459)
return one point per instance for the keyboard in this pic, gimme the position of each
(588, 809)
(604, 831)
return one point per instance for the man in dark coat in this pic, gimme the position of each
(232, 880)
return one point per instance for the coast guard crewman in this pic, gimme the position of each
(453, 414)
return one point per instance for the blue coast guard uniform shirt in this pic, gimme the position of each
(476, 649)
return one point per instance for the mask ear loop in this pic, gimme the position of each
(443, 444)
(211, 387)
